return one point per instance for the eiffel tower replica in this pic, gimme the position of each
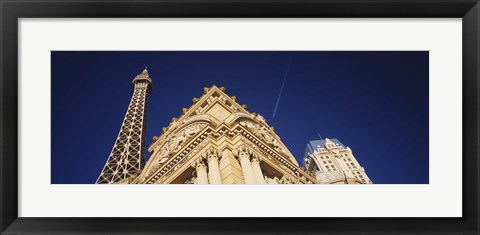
(128, 153)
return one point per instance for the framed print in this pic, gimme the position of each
(205, 117)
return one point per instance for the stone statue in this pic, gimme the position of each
(161, 158)
(173, 124)
(265, 135)
(191, 180)
(261, 119)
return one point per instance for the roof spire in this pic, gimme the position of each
(144, 72)
(143, 77)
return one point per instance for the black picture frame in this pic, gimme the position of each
(12, 10)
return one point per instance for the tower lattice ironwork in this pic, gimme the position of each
(128, 153)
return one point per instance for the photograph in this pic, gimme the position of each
(240, 117)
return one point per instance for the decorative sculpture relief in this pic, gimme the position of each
(173, 125)
(175, 141)
(192, 180)
(285, 180)
(261, 119)
(263, 133)
(161, 158)
(273, 180)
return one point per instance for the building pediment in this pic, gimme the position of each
(214, 120)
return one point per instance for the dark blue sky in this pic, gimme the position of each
(374, 102)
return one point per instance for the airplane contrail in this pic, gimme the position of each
(283, 84)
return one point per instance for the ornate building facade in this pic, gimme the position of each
(214, 141)
(333, 163)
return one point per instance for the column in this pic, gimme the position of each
(257, 170)
(230, 168)
(248, 174)
(214, 170)
(201, 169)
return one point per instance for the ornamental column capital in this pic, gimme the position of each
(198, 164)
(243, 154)
(256, 159)
(242, 151)
(211, 154)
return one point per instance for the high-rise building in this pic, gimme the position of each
(127, 157)
(333, 163)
